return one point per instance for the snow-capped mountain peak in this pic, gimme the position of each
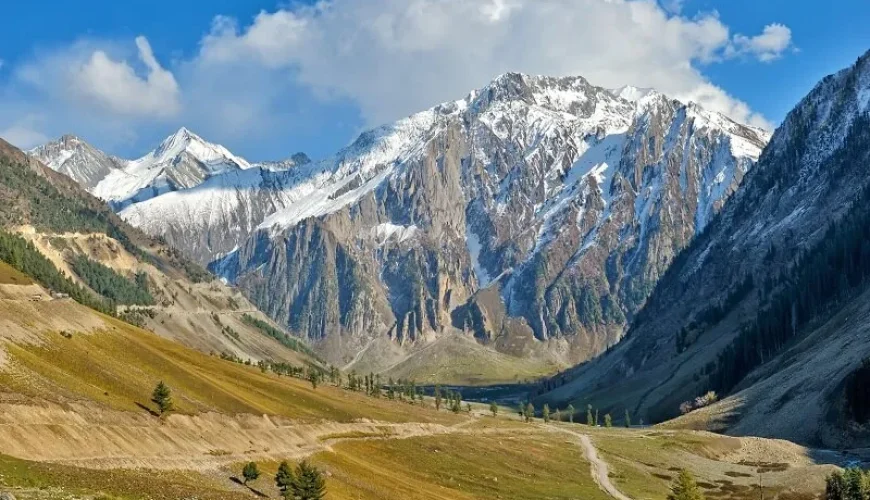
(76, 158)
(185, 141)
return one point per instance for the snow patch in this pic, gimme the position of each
(474, 247)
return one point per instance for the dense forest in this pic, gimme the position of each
(23, 256)
(26, 197)
(108, 283)
(836, 268)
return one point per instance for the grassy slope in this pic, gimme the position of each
(643, 464)
(457, 360)
(120, 366)
(458, 467)
(11, 276)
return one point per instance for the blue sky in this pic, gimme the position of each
(268, 79)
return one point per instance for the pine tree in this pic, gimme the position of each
(545, 413)
(437, 396)
(530, 412)
(627, 418)
(596, 417)
(284, 479)
(558, 415)
(608, 422)
(162, 396)
(308, 483)
(250, 472)
(493, 408)
(570, 413)
(589, 420)
(684, 487)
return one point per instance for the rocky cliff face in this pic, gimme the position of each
(564, 200)
(534, 216)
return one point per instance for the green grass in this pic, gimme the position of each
(11, 276)
(46, 480)
(119, 368)
(528, 466)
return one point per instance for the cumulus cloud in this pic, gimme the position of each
(91, 75)
(23, 135)
(394, 57)
(767, 46)
(287, 72)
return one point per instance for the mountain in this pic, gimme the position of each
(235, 194)
(768, 305)
(77, 159)
(533, 217)
(74, 244)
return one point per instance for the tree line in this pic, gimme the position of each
(111, 285)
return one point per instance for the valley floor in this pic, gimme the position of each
(468, 457)
(76, 421)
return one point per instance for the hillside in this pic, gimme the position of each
(76, 419)
(767, 304)
(101, 261)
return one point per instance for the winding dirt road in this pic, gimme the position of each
(597, 466)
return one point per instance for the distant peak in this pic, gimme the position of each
(69, 138)
(300, 158)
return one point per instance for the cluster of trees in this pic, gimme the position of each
(282, 337)
(851, 484)
(23, 256)
(305, 483)
(111, 285)
(835, 269)
(858, 392)
(713, 314)
(527, 413)
(28, 198)
(454, 399)
(707, 399)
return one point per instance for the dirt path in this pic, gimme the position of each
(597, 466)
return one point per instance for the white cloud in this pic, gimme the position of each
(673, 6)
(24, 133)
(395, 57)
(92, 74)
(295, 72)
(767, 46)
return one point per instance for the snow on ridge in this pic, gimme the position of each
(388, 231)
(631, 93)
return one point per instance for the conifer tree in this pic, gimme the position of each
(627, 418)
(437, 396)
(608, 422)
(162, 397)
(684, 487)
(570, 413)
(284, 479)
(308, 483)
(250, 472)
(545, 413)
(590, 421)
(493, 408)
(530, 412)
